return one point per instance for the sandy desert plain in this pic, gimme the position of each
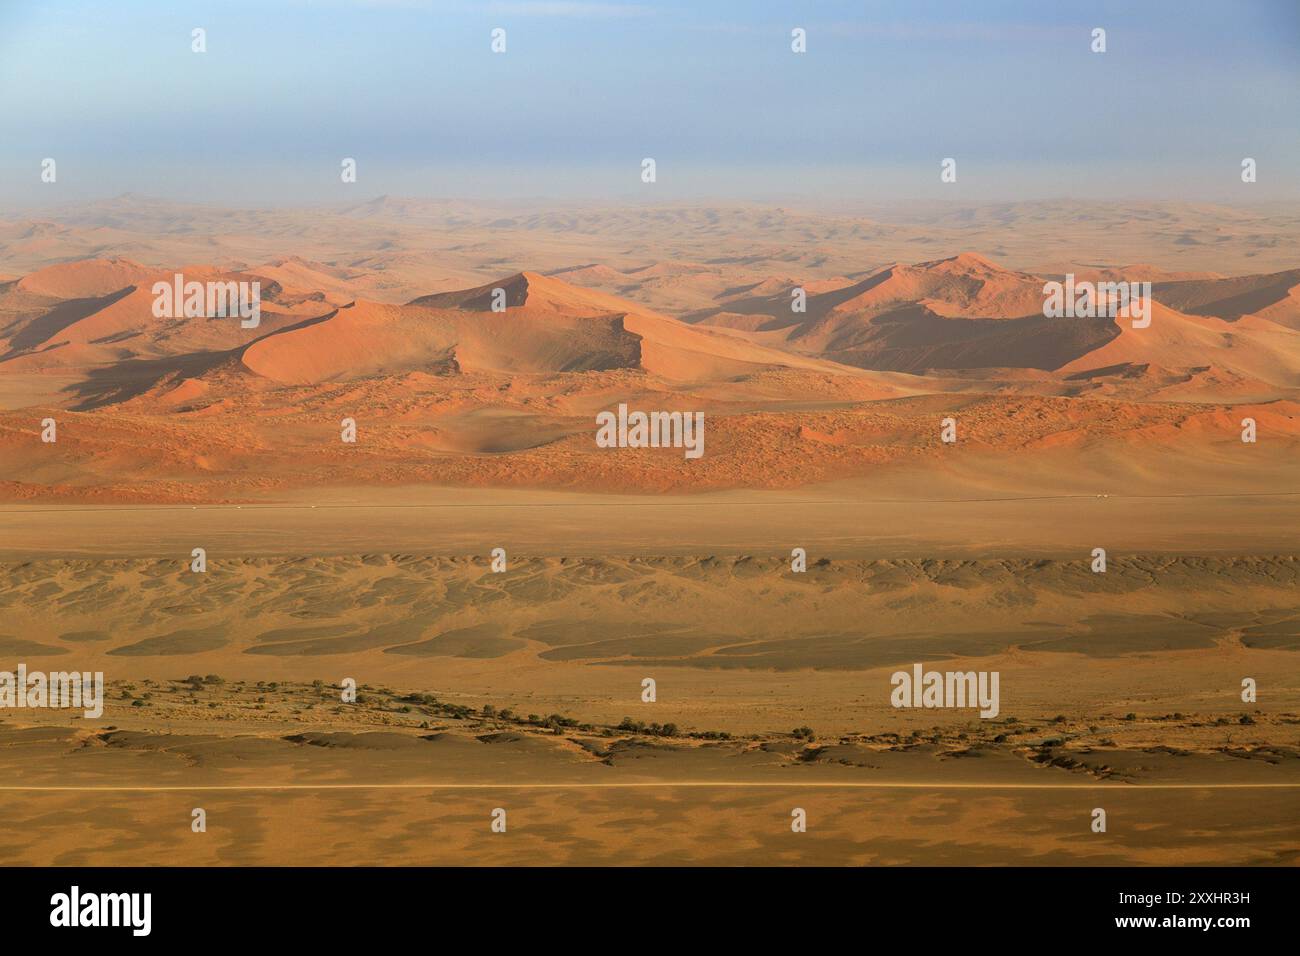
(522, 689)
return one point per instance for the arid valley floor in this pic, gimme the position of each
(521, 689)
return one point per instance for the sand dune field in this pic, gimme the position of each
(499, 586)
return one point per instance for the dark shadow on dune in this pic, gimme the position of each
(111, 384)
(123, 381)
(904, 340)
(41, 330)
(1227, 299)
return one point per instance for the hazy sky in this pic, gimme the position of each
(709, 88)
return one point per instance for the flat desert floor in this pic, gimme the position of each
(521, 690)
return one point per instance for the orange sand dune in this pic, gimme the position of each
(125, 330)
(93, 277)
(665, 346)
(965, 312)
(1231, 298)
(367, 339)
(548, 326)
(448, 391)
(957, 313)
(967, 285)
(960, 313)
(1254, 349)
(292, 272)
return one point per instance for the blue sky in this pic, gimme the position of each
(711, 90)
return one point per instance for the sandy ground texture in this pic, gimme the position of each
(129, 439)
(416, 779)
(521, 690)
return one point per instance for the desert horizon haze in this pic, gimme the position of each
(649, 434)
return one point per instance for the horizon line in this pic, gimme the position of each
(919, 200)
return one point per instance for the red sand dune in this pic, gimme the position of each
(960, 313)
(1275, 297)
(86, 279)
(451, 391)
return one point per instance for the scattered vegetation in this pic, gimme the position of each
(380, 707)
(653, 730)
